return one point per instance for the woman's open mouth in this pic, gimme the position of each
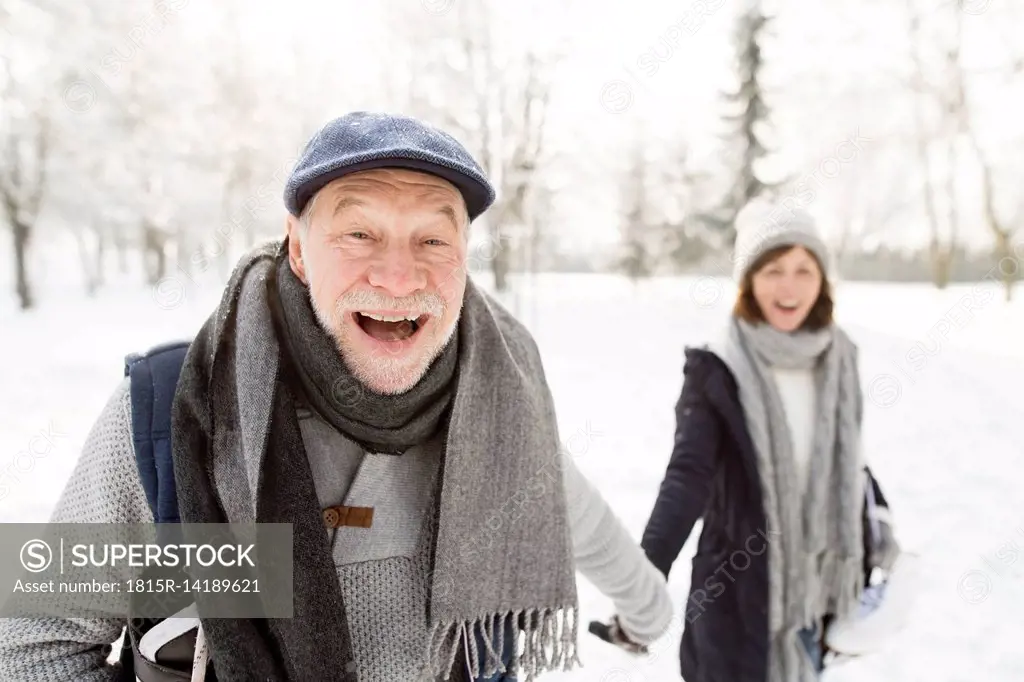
(390, 326)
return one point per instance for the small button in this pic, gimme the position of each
(331, 517)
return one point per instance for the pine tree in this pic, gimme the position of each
(636, 259)
(752, 114)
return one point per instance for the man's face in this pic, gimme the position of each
(384, 257)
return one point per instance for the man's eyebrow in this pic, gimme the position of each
(449, 211)
(346, 202)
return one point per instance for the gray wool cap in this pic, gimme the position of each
(763, 225)
(364, 140)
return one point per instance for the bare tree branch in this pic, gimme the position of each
(960, 109)
(941, 251)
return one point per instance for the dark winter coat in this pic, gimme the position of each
(713, 475)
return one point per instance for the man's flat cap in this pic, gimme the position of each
(363, 140)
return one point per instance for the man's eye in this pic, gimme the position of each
(358, 235)
(435, 242)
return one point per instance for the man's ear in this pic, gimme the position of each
(293, 227)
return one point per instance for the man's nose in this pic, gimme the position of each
(397, 271)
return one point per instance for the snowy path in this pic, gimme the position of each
(945, 443)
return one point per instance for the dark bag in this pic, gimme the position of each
(153, 376)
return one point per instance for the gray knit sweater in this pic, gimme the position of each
(382, 570)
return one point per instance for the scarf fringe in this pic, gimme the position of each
(847, 586)
(544, 640)
(835, 590)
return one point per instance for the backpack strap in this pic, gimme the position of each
(154, 376)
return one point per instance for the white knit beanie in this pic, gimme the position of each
(763, 225)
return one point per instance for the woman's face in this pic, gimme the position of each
(787, 288)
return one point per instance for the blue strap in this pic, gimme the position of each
(154, 377)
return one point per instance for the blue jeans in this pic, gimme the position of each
(507, 646)
(812, 643)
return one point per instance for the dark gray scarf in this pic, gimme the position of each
(380, 423)
(239, 458)
(816, 552)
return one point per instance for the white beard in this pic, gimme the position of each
(381, 372)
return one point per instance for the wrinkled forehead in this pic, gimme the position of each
(409, 189)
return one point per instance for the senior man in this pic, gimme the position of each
(361, 368)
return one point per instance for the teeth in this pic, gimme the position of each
(388, 318)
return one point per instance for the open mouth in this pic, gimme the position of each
(787, 307)
(390, 327)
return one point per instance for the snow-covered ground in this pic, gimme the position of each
(943, 372)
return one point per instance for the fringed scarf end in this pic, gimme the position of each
(849, 586)
(836, 590)
(542, 640)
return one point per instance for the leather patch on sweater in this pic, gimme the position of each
(342, 515)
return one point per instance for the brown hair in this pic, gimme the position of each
(746, 308)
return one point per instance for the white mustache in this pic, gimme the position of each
(425, 303)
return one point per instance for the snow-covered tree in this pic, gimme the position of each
(748, 115)
(27, 106)
(960, 167)
(471, 72)
(641, 237)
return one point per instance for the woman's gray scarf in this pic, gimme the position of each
(815, 557)
(380, 423)
(239, 458)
